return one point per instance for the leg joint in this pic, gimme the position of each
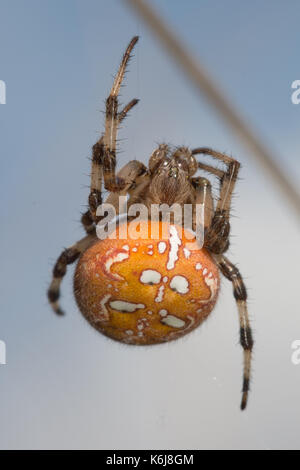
(98, 152)
(111, 106)
(53, 295)
(246, 339)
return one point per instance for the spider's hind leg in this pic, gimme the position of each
(239, 291)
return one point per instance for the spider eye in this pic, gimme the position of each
(182, 162)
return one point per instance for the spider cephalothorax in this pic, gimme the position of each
(153, 289)
(170, 176)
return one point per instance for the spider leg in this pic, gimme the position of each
(112, 183)
(68, 256)
(203, 197)
(131, 173)
(231, 272)
(217, 237)
(95, 196)
(89, 218)
(211, 169)
(88, 222)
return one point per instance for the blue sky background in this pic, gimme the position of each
(64, 385)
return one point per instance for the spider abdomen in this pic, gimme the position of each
(146, 291)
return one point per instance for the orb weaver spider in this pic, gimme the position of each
(151, 291)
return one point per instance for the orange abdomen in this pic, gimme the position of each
(145, 291)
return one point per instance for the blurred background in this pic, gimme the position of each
(65, 385)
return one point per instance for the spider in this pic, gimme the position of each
(149, 290)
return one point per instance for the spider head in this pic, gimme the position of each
(184, 160)
(171, 172)
(173, 165)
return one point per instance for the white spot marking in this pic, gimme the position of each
(162, 247)
(173, 321)
(123, 306)
(175, 242)
(160, 294)
(129, 332)
(150, 276)
(125, 247)
(179, 284)
(165, 279)
(142, 323)
(187, 253)
(150, 252)
(134, 249)
(163, 312)
(204, 271)
(198, 266)
(149, 312)
(115, 259)
(103, 310)
(213, 285)
(192, 322)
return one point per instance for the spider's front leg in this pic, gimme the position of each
(104, 151)
(217, 237)
(128, 174)
(239, 291)
(111, 182)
